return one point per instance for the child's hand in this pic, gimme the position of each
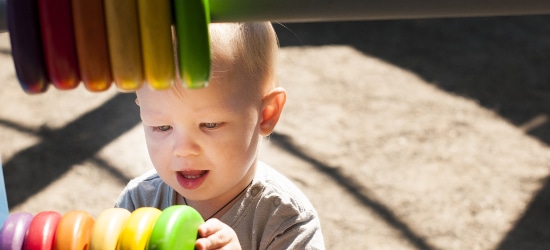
(214, 234)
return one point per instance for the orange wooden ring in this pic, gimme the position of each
(74, 231)
(91, 44)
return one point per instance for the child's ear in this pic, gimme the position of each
(137, 101)
(272, 107)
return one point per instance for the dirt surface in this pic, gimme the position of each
(411, 134)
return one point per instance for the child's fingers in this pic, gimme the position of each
(215, 242)
(209, 227)
(217, 235)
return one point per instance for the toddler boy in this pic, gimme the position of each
(204, 146)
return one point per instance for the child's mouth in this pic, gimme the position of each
(191, 179)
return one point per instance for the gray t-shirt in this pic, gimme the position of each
(273, 213)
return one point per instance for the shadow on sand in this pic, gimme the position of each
(502, 62)
(355, 188)
(34, 168)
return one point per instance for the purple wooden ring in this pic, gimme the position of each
(14, 231)
(26, 45)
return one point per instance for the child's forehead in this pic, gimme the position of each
(212, 100)
(223, 85)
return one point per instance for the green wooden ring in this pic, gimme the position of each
(176, 228)
(193, 41)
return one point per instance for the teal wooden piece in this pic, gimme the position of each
(4, 209)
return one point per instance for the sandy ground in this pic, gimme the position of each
(412, 134)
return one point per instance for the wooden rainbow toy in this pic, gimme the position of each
(175, 227)
(66, 42)
(98, 42)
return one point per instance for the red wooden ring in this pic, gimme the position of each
(41, 233)
(59, 45)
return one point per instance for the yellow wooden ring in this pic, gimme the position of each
(108, 227)
(155, 22)
(124, 43)
(138, 228)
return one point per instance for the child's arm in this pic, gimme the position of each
(214, 234)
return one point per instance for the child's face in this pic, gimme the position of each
(203, 142)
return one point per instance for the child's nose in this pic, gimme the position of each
(186, 145)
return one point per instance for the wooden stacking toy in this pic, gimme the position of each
(175, 227)
(66, 42)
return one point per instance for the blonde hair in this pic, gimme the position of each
(251, 48)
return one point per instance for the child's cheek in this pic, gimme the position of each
(156, 144)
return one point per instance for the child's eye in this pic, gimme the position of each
(162, 128)
(209, 125)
